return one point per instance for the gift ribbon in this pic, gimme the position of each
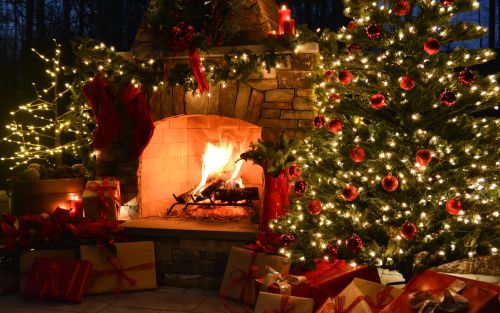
(122, 272)
(107, 187)
(286, 306)
(378, 303)
(283, 281)
(450, 301)
(49, 278)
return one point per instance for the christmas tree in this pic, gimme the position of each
(400, 171)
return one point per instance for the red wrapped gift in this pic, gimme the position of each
(58, 279)
(431, 289)
(327, 280)
(101, 199)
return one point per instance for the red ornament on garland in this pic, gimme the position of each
(287, 239)
(431, 46)
(408, 230)
(328, 76)
(454, 207)
(390, 183)
(354, 244)
(295, 170)
(466, 77)
(319, 121)
(350, 193)
(300, 187)
(345, 77)
(357, 154)
(447, 3)
(402, 8)
(332, 251)
(352, 26)
(335, 125)
(314, 207)
(377, 101)
(374, 31)
(334, 97)
(448, 98)
(407, 82)
(354, 48)
(423, 157)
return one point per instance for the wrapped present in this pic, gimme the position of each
(327, 280)
(28, 259)
(243, 266)
(429, 291)
(101, 199)
(273, 303)
(361, 296)
(133, 268)
(58, 279)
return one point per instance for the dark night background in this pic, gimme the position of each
(33, 23)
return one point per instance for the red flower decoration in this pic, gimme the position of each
(180, 37)
(314, 207)
(408, 230)
(431, 46)
(357, 154)
(423, 157)
(335, 125)
(402, 7)
(350, 193)
(267, 242)
(377, 101)
(390, 183)
(407, 82)
(295, 170)
(345, 77)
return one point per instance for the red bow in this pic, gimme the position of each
(107, 187)
(194, 60)
(286, 306)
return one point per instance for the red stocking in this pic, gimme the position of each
(136, 103)
(108, 122)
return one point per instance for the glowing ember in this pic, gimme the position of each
(222, 213)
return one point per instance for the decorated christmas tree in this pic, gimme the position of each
(401, 169)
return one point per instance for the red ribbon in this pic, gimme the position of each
(106, 187)
(49, 278)
(286, 306)
(194, 60)
(337, 306)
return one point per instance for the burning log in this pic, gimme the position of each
(235, 195)
(212, 188)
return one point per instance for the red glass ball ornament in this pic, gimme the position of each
(454, 206)
(448, 98)
(319, 121)
(431, 46)
(402, 7)
(350, 193)
(351, 26)
(354, 244)
(287, 239)
(314, 207)
(377, 101)
(390, 183)
(408, 230)
(295, 170)
(345, 77)
(354, 48)
(334, 97)
(335, 125)
(447, 3)
(374, 31)
(466, 77)
(328, 76)
(332, 251)
(423, 157)
(300, 187)
(407, 82)
(358, 154)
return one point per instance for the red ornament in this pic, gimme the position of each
(350, 193)
(423, 157)
(466, 77)
(374, 31)
(300, 187)
(335, 125)
(314, 207)
(431, 46)
(334, 97)
(408, 230)
(328, 76)
(319, 121)
(402, 7)
(287, 239)
(407, 82)
(390, 183)
(354, 244)
(448, 98)
(295, 170)
(447, 3)
(352, 26)
(354, 48)
(345, 77)
(454, 207)
(357, 154)
(332, 251)
(377, 101)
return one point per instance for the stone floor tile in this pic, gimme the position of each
(171, 290)
(124, 309)
(195, 292)
(161, 301)
(212, 293)
(214, 305)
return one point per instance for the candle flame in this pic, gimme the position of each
(283, 7)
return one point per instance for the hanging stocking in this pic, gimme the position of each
(107, 120)
(136, 103)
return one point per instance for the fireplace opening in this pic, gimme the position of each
(191, 169)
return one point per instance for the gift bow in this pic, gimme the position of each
(286, 306)
(106, 187)
(283, 281)
(450, 301)
(378, 302)
(49, 278)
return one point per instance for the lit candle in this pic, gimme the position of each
(289, 26)
(76, 206)
(284, 13)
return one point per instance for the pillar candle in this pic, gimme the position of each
(76, 206)
(289, 26)
(284, 13)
